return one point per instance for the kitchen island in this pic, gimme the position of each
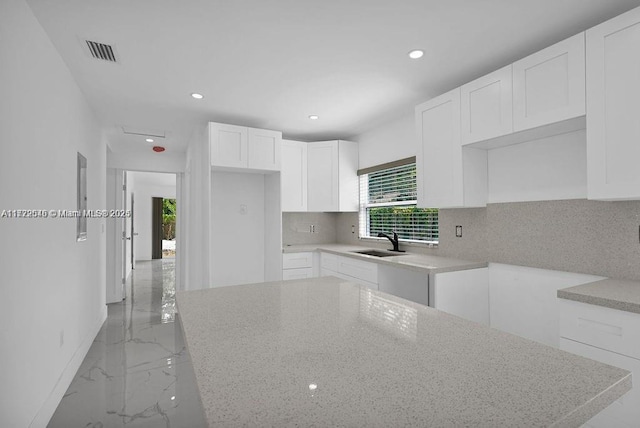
(326, 352)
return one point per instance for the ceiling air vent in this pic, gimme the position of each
(101, 51)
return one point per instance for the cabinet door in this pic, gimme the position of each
(293, 176)
(613, 97)
(228, 145)
(348, 196)
(322, 176)
(359, 269)
(549, 86)
(464, 293)
(487, 107)
(439, 155)
(297, 260)
(300, 273)
(264, 149)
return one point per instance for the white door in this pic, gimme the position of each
(115, 239)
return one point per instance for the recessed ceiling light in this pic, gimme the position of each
(314, 117)
(197, 96)
(149, 140)
(415, 54)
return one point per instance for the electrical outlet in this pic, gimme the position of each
(458, 231)
(61, 338)
(353, 229)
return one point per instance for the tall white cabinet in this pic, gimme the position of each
(447, 175)
(293, 176)
(332, 178)
(242, 200)
(613, 106)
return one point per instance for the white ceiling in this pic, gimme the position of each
(271, 63)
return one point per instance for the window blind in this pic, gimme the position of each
(388, 202)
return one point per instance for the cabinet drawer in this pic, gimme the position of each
(297, 260)
(325, 272)
(300, 273)
(366, 271)
(625, 411)
(605, 328)
(329, 262)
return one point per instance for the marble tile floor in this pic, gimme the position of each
(137, 372)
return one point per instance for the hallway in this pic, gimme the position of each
(137, 372)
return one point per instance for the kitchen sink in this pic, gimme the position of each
(380, 253)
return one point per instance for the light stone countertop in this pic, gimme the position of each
(408, 260)
(610, 293)
(327, 352)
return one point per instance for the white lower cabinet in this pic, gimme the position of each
(300, 273)
(408, 284)
(358, 271)
(610, 337)
(523, 301)
(463, 293)
(297, 265)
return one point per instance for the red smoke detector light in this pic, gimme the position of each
(158, 149)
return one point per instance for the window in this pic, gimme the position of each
(388, 199)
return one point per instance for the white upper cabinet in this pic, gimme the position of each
(487, 107)
(613, 105)
(239, 147)
(549, 86)
(293, 176)
(332, 176)
(228, 145)
(263, 149)
(447, 175)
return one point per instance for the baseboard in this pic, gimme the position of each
(51, 404)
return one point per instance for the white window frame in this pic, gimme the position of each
(363, 214)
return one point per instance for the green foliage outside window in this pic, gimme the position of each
(169, 219)
(409, 222)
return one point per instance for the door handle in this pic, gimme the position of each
(128, 238)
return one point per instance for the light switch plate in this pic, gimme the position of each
(458, 231)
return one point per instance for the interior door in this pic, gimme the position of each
(133, 234)
(125, 239)
(156, 225)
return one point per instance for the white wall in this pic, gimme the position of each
(237, 228)
(551, 168)
(144, 193)
(52, 286)
(196, 193)
(152, 162)
(388, 142)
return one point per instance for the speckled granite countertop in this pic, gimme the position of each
(326, 352)
(413, 261)
(610, 293)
